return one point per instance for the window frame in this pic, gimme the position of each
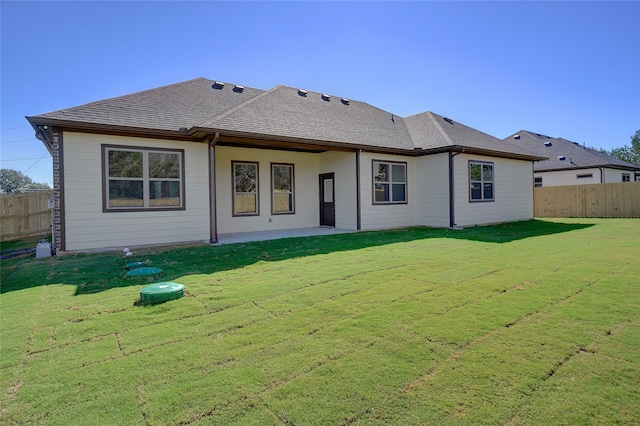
(233, 188)
(389, 182)
(292, 192)
(146, 179)
(537, 183)
(627, 176)
(482, 182)
(584, 176)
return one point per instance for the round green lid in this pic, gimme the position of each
(162, 288)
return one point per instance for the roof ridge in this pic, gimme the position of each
(237, 107)
(439, 127)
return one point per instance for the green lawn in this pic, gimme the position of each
(521, 324)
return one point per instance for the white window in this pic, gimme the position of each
(537, 182)
(282, 200)
(481, 181)
(389, 182)
(142, 179)
(245, 188)
(626, 177)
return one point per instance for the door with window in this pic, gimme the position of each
(327, 200)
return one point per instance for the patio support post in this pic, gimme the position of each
(213, 219)
(358, 218)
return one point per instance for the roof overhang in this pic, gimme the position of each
(43, 127)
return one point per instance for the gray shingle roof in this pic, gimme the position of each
(575, 155)
(430, 130)
(282, 113)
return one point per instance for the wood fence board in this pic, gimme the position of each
(621, 199)
(24, 215)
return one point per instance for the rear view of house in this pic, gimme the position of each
(570, 163)
(198, 159)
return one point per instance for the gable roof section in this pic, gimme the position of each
(165, 108)
(286, 112)
(575, 155)
(195, 109)
(430, 131)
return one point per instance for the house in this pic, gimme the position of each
(198, 159)
(570, 163)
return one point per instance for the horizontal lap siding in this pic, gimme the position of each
(305, 190)
(432, 190)
(568, 177)
(386, 216)
(343, 164)
(88, 227)
(513, 192)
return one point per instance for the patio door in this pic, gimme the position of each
(327, 201)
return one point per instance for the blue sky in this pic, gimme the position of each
(564, 69)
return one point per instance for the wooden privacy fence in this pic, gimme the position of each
(24, 215)
(620, 199)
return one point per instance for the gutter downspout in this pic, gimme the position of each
(601, 175)
(452, 215)
(213, 218)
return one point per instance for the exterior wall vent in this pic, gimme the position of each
(345, 101)
(302, 92)
(217, 85)
(562, 157)
(326, 98)
(238, 88)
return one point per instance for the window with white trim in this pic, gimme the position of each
(481, 181)
(626, 177)
(389, 182)
(142, 179)
(537, 182)
(282, 200)
(245, 188)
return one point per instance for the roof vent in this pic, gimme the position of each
(562, 157)
(548, 144)
(302, 92)
(238, 88)
(448, 120)
(326, 97)
(217, 85)
(516, 137)
(345, 101)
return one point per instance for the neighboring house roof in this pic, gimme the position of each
(196, 108)
(564, 154)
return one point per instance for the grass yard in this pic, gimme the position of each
(521, 324)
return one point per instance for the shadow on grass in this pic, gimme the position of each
(92, 273)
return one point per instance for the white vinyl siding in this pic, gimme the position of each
(513, 189)
(343, 166)
(432, 193)
(88, 227)
(376, 216)
(307, 209)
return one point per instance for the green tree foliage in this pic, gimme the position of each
(13, 181)
(629, 153)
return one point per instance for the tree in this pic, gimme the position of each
(628, 153)
(13, 181)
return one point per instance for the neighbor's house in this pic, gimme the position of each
(570, 163)
(197, 159)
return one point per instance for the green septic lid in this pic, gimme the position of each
(161, 292)
(144, 272)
